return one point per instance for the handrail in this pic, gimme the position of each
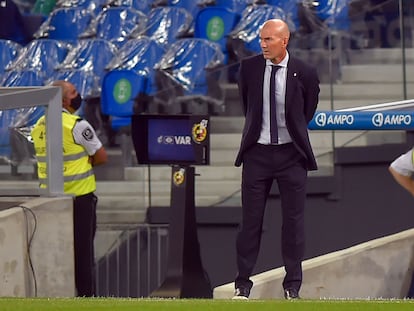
(51, 98)
(398, 105)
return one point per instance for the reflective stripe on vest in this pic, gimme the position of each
(78, 175)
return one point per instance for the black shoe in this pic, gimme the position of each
(241, 293)
(291, 293)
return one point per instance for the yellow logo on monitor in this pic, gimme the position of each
(199, 131)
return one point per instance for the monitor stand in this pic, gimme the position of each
(185, 276)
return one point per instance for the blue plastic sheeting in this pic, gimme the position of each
(92, 57)
(191, 6)
(8, 52)
(167, 24)
(247, 30)
(187, 63)
(366, 120)
(333, 12)
(93, 6)
(117, 24)
(42, 55)
(319, 15)
(214, 24)
(139, 55)
(65, 24)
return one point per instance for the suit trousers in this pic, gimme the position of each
(262, 164)
(84, 220)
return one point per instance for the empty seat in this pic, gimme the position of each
(189, 76)
(334, 13)
(42, 55)
(139, 55)
(65, 24)
(244, 38)
(290, 7)
(214, 24)
(90, 56)
(167, 24)
(116, 24)
(93, 6)
(191, 6)
(120, 89)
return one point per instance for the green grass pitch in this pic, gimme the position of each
(124, 304)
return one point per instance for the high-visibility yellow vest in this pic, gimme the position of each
(78, 175)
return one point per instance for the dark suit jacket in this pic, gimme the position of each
(302, 94)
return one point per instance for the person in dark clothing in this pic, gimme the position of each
(279, 94)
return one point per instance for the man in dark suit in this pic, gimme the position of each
(279, 94)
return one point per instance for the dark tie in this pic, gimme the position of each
(272, 97)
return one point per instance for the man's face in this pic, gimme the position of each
(273, 44)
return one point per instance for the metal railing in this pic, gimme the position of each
(135, 264)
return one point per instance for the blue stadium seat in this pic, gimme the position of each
(65, 24)
(8, 52)
(290, 7)
(120, 88)
(214, 24)
(188, 74)
(92, 57)
(93, 6)
(116, 24)
(42, 55)
(244, 38)
(24, 77)
(191, 6)
(139, 55)
(167, 24)
(334, 13)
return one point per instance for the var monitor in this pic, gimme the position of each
(171, 139)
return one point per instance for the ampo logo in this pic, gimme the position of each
(378, 119)
(320, 119)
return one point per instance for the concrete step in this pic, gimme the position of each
(380, 92)
(374, 73)
(380, 56)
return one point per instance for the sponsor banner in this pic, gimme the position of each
(362, 120)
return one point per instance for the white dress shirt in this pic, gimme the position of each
(280, 79)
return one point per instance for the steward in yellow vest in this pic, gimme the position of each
(82, 150)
